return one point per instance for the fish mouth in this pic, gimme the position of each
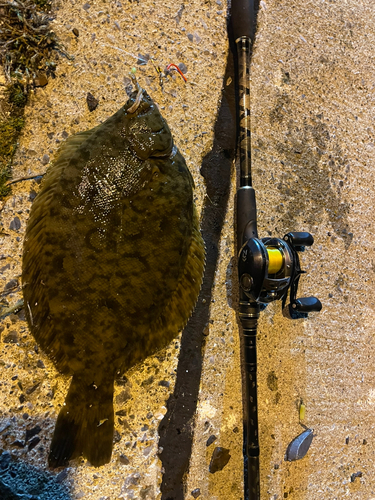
(144, 105)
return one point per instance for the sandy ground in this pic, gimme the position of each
(312, 81)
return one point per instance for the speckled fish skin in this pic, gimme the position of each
(112, 265)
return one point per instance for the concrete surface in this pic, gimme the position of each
(312, 81)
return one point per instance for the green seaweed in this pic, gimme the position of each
(17, 95)
(10, 129)
(5, 174)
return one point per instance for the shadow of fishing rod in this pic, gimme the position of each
(176, 428)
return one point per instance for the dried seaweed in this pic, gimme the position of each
(27, 43)
(28, 54)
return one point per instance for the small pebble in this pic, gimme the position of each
(220, 458)
(33, 442)
(75, 32)
(41, 80)
(123, 397)
(147, 450)
(15, 224)
(196, 493)
(124, 460)
(355, 475)
(210, 440)
(45, 159)
(32, 432)
(18, 443)
(21, 315)
(30, 390)
(11, 337)
(182, 67)
(147, 381)
(32, 195)
(11, 284)
(40, 364)
(116, 437)
(92, 103)
(61, 476)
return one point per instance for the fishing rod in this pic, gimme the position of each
(268, 268)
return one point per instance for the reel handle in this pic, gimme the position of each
(299, 239)
(306, 305)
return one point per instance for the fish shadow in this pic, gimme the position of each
(176, 428)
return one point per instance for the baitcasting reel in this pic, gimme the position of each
(269, 267)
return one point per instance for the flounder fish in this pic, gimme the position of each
(112, 265)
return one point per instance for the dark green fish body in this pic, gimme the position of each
(112, 265)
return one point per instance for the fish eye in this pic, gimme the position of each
(155, 172)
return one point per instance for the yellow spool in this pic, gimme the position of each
(275, 260)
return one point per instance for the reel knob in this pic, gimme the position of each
(300, 308)
(307, 304)
(299, 239)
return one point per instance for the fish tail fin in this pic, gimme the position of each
(85, 424)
